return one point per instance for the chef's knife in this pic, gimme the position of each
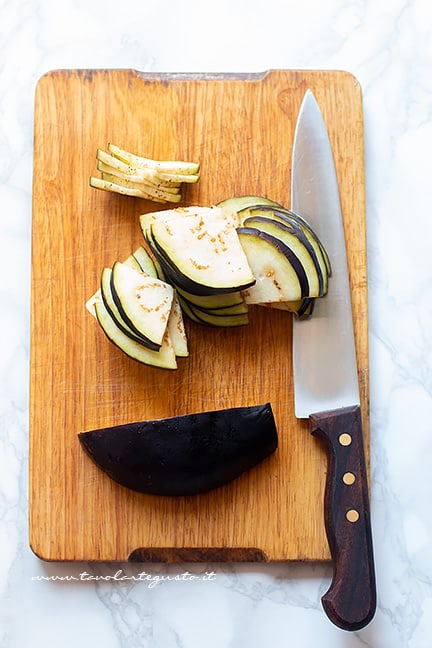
(326, 380)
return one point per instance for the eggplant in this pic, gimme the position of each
(145, 262)
(236, 203)
(279, 212)
(302, 308)
(235, 309)
(213, 302)
(218, 317)
(176, 327)
(248, 205)
(132, 262)
(279, 273)
(176, 330)
(111, 307)
(294, 238)
(202, 253)
(130, 340)
(221, 317)
(147, 219)
(184, 455)
(144, 302)
(164, 358)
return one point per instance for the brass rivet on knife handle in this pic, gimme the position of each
(352, 515)
(348, 478)
(345, 439)
(350, 601)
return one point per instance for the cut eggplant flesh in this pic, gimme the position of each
(279, 274)
(92, 301)
(308, 229)
(167, 271)
(164, 358)
(295, 240)
(213, 302)
(132, 262)
(112, 309)
(302, 308)
(235, 309)
(184, 455)
(202, 308)
(146, 220)
(240, 204)
(306, 309)
(152, 191)
(177, 166)
(283, 213)
(145, 262)
(236, 203)
(175, 327)
(187, 310)
(225, 320)
(158, 268)
(203, 253)
(143, 301)
(217, 317)
(176, 330)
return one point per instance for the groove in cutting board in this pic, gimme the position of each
(240, 128)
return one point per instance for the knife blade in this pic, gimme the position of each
(326, 387)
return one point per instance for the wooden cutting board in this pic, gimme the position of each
(240, 128)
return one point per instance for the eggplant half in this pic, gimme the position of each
(184, 455)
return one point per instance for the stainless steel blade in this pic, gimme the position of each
(324, 357)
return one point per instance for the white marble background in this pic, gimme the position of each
(387, 45)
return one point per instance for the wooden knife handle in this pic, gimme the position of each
(350, 602)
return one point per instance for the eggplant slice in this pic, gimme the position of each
(184, 455)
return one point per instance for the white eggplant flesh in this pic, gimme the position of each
(236, 203)
(146, 220)
(133, 262)
(298, 244)
(203, 251)
(301, 229)
(276, 278)
(213, 302)
(164, 358)
(144, 302)
(217, 318)
(176, 330)
(112, 308)
(164, 166)
(302, 308)
(145, 262)
(176, 327)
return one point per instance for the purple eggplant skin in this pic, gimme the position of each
(184, 455)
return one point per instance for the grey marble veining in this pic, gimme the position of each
(386, 44)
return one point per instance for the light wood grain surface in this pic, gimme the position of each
(240, 128)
